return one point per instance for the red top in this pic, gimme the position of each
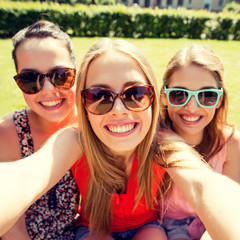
(124, 218)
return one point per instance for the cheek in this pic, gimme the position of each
(29, 98)
(147, 120)
(73, 88)
(211, 114)
(171, 111)
(95, 122)
(71, 95)
(219, 102)
(164, 99)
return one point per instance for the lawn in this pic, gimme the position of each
(158, 51)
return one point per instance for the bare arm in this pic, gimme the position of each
(213, 196)
(24, 181)
(18, 231)
(9, 143)
(10, 151)
(206, 236)
(231, 167)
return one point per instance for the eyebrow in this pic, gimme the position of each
(28, 69)
(35, 70)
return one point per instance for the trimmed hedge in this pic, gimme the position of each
(120, 21)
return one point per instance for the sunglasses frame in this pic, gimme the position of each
(40, 75)
(195, 94)
(120, 95)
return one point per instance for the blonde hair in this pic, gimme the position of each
(205, 58)
(106, 176)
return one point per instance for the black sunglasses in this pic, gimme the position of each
(100, 101)
(31, 81)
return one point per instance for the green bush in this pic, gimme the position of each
(120, 21)
(232, 7)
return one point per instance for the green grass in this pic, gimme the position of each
(158, 51)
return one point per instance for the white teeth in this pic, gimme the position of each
(51, 103)
(121, 129)
(190, 119)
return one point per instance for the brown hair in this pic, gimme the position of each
(42, 29)
(205, 58)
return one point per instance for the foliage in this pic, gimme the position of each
(232, 7)
(120, 21)
(73, 2)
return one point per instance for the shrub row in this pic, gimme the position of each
(120, 21)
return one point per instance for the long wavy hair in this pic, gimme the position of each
(205, 58)
(106, 176)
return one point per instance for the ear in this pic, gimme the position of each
(164, 98)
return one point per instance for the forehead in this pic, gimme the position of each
(42, 43)
(44, 53)
(114, 70)
(192, 77)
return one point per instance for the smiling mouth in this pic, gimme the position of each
(121, 129)
(190, 119)
(51, 103)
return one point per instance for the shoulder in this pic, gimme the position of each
(6, 120)
(67, 136)
(65, 143)
(233, 146)
(231, 167)
(232, 137)
(9, 144)
(69, 133)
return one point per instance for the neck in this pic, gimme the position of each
(45, 127)
(126, 160)
(192, 139)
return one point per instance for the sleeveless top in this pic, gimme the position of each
(124, 214)
(177, 207)
(52, 216)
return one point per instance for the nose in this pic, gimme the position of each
(47, 85)
(118, 107)
(192, 104)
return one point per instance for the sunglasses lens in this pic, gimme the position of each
(62, 77)
(30, 82)
(178, 97)
(100, 101)
(137, 98)
(97, 101)
(208, 98)
(27, 82)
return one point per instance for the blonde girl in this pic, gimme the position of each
(117, 138)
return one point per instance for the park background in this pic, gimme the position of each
(159, 51)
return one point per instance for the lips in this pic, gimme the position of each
(121, 129)
(51, 103)
(190, 118)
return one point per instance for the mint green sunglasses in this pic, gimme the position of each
(207, 98)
